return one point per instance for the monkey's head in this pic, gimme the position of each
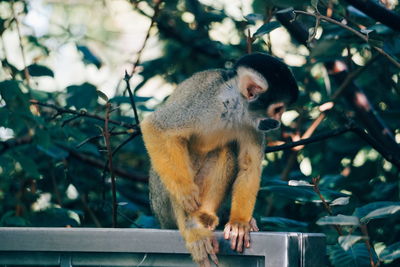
(268, 86)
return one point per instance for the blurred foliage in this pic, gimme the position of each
(52, 162)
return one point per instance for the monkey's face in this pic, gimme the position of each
(265, 105)
(267, 85)
(266, 116)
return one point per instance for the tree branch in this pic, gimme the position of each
(153, 20)
(26, 72)
(349, 127)
(84, 114)
(11, 143)
(378, 12)
(131, 98)
(98, 163)
(357, 33)
(368, 116)
(106, 134)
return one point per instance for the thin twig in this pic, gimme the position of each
(70, 119)
(92, 138)
(153, 19)
(315, 183)
(11, 143)
(83, 114)
(90, 211)
(249, 42)
(364, 230)
(127, 173)
(131, 98)
(314, 31)
(130, 138)
(350, 77)
(26, 72)
(106, 134)
(357, 33)
(310, 140)
(349, 127)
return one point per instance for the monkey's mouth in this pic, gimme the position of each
(268, 124)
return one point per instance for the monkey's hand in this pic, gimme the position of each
(204, 246)
(239, 233)
(188, 197)
(207, 219)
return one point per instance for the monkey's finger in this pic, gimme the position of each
(214, 259)
(239, 247)
(227, 230)
(210, 250)
(215, 245)
(247, 239)
(205, 263)
(253, 225)
(234, 236)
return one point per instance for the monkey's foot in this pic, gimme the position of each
(204, 249)
(253, 225)
(239, 233)
(208, 220)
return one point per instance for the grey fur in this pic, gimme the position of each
(209, 101)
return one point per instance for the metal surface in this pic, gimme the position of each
(149, 247)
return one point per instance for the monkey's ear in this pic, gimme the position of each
(251, 83)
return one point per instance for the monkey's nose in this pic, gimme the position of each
(268, 124)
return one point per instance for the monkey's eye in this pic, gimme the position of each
(278, 109)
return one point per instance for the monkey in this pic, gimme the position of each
(206, 141)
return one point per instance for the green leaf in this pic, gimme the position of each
(15, 100)
(338, 220)
(341, 201)
(327, 50)
(125, 99)
(283, 222)
(82, 96)
(54, 152)
(55, 217)
(145, 221)
(380, 213)
(348, 241)
(357, 255)
(253, 18)
(9, 219)
(28, 165)
(366, 209)
(102, 95)
(266, 28)
(40, 95)
(302, 193)
(299, 183)
(391, 252)
(314, 4)
(37, 70)
(88, 56)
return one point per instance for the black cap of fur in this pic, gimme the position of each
(282, 84)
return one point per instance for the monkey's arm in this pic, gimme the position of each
(244, 195)
(170, 159)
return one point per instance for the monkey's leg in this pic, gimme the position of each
(170, 159)
(216, 174)
(244, 195)
(200, 241)
(160, 202)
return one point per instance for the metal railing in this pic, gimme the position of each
(68, 247)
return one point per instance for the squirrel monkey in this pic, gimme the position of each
(208, 138)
